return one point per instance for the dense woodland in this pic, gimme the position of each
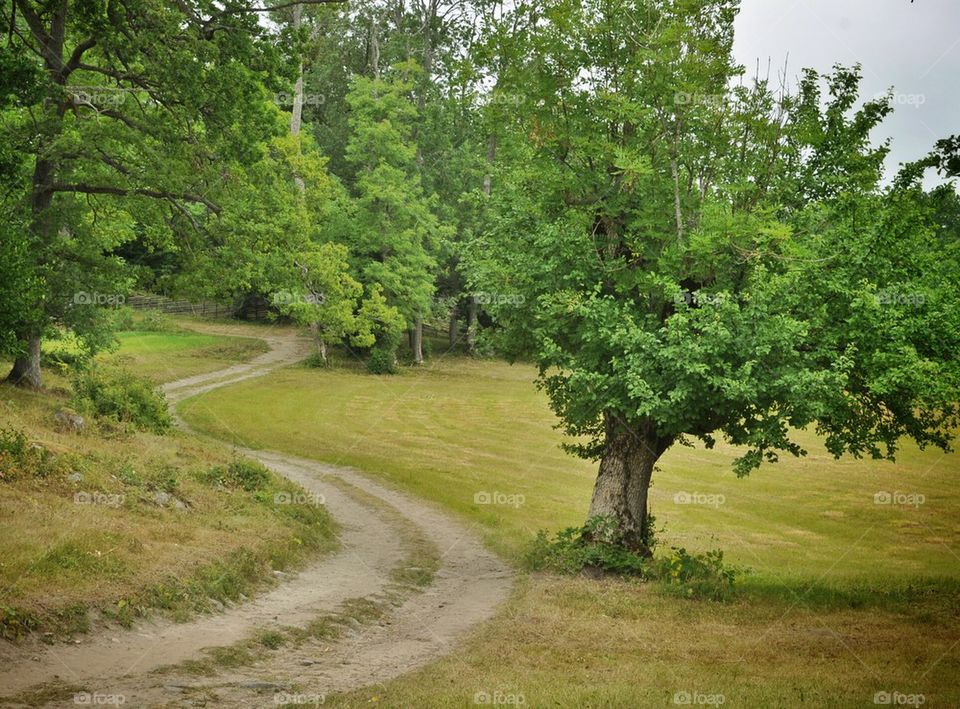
(686, 249)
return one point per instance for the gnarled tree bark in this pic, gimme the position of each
(623, 481)
(26, 367)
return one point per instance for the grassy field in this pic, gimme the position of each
(165, 356)
(846, 595)
(127, 522)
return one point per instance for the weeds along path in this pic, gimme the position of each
(351, 619)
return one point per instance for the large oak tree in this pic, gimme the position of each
(686, 255)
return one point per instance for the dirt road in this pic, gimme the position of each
(380, 529)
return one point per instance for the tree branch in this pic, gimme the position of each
(84, 188)
(74, 61)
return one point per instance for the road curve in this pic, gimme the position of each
(469, 585)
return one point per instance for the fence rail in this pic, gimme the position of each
(181, 307)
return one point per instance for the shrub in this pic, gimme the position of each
(241, 473)
(18, 458)
(576, 549)
(161, 478)
(315, 361)
(591, 548)
(14, 452)
(13, 443)
(63, 360)
(382, 361)
(698, 575)
(121, 396)
(156, 321)
(123, 319)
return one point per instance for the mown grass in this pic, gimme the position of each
(85, 524)
(460, 427)
(843, 598)
(166, 356)
(160, 348)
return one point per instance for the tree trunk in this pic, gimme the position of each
(491, 157)
(26, 367)
(453, 326)
(472, 325)
(374, 49)
(620, 492)
(296, 115)
(417, 333)
(318, 341)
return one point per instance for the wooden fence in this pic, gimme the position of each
(181, 307)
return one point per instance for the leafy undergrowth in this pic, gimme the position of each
(110, 522)
(592, 549)
(122, 397)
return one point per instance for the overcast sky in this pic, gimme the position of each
(912, 47)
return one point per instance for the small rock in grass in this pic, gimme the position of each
(75, 477)
(69, 421)
(165, 498)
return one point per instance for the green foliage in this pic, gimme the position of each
(241, 473)
(380, 323)
(121, 396)
(20, 459)
(15, 623)
(677, 260)
(13, 444)
(592, 549)
(382, 360)
(315, 361)
(703, 576)
(397, 231)
(324, 296)
(591, 546)
(156, 321)
(124, 319)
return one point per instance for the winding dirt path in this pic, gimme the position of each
(376, 523)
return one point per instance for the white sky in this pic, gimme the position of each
(912, 47)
